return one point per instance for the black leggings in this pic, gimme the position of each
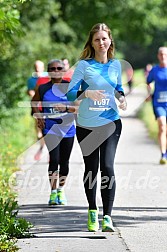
(106, 139)
(59, 152)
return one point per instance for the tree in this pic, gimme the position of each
(43, 29)
(134, 23)
(9, 19)
(10, 28)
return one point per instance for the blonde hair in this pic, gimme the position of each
(89, 51)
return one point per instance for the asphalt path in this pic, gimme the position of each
(139, 213)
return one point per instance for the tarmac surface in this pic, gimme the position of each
(140, 208)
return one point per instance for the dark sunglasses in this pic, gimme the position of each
(56, 68)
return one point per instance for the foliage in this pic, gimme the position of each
(135, 24)
(10, 28)
(11, 227)
(7, 245)
(16, 136)
(45, 29)
(9, 22)
(10, 224)
(14, 140)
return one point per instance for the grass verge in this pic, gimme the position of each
(147, 116)
(15, 138)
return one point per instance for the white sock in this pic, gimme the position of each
(60, 188)
(54, 191)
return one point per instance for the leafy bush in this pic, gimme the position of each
(11, 226)
(12, 143)
(7, 245)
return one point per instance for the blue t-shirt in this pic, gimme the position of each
(92, 75)
(58, 123)
(31, 83)
(159, 76)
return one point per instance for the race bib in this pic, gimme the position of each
(103, 105)
(53, 113)
(162, 96)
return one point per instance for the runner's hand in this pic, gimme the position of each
(95, 95)
(149, 98)
(60, 107)
(123, 103)
(40, 123)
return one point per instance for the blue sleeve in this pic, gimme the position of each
(31, 83)
(150, 76)
(77, 81)
(119, 78)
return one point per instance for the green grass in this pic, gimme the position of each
(146, 112)
(137, 79)
(18, 131)
(147, 116)
(17, 134)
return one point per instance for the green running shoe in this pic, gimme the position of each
(61, 197)
(93, 223)
(107, 225)
(163, 161)
(53, 199)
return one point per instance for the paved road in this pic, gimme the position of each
(140, 211)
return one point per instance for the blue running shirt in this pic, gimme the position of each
(58, 123)
(92, 75)
(31, 83)
(159, 76)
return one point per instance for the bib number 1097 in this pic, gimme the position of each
(103, 102)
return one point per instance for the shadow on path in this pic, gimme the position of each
(55, 219)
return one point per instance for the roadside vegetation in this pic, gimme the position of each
(15, 138)
(147, 116)
(145, 112)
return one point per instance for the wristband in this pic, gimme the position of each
(67, 108)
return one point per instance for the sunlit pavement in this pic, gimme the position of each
(139, 214)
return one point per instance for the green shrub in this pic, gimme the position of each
(16, 136)
(11, 226)
(7, 245)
